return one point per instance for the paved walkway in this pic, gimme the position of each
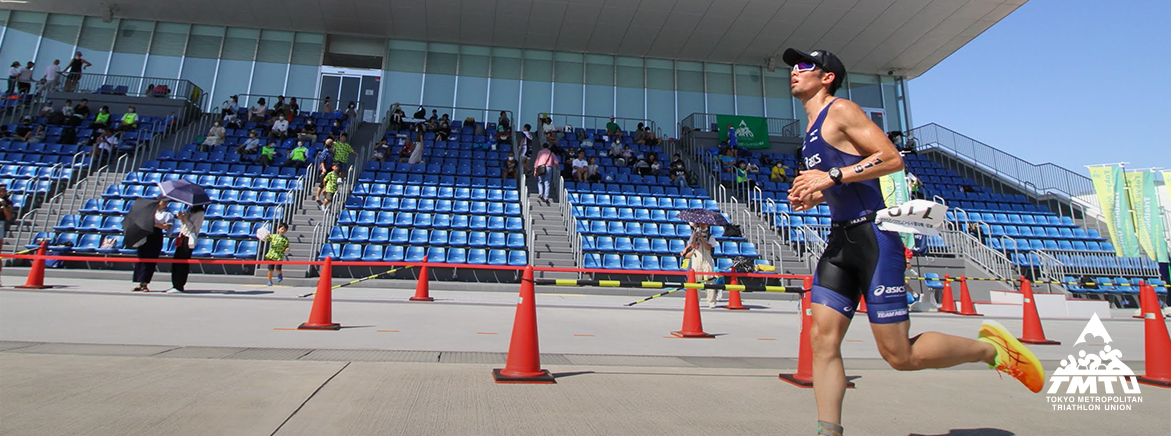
(226, 360)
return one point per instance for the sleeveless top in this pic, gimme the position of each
(848, 200)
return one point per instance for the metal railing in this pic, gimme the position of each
(784, 127)
(991, 261)
(581, 121)
(29, 104)
(1036, 180)
(134, 86)
(576, 244)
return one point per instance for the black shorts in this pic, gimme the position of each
(273, 266)
(863, 260)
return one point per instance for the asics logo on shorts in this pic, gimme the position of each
(878, 291)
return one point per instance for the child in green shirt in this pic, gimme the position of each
(278, 247)
(332, 180)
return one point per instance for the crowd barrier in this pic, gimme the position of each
(523, 362)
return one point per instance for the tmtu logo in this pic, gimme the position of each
(1088, 371)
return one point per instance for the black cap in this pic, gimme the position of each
(825, 60)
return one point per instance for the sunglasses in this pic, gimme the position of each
(804, 66)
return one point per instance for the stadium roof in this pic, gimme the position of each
(907, 37)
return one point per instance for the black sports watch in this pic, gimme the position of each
(836, 175)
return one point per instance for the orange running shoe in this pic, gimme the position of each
(1012, 358)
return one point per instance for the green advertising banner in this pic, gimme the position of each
(1147, 215)
(751, 132)
(1167, 185)
(896, 192)
(1111, 189)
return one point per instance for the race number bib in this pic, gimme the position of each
(920, 217)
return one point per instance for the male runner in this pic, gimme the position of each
(845, 154)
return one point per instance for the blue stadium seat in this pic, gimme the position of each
(477, 256)
(457, 255)
(518, 258)
(611, 261)
(241, 229)
(351, 253)
(394, 253)
(247, 249)
(496, 240)
(650, 263)
(224, 248)
(498, 257)
(372, 253)
(516, 241)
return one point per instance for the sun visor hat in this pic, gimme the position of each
(825, 60)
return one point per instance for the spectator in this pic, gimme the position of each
(24, 130)
(38, 136)
(640, 135)
(278, 247)
(699, 254)
(231, 106)
(592, 170)
(268, 154)
(626, 157)
(510, 166)
(335, 130)
(232, 121)
(653, 160)
(396, 118)
(503, 124)
(331, 181)
(13, 77)
(615, 150)
(549, 130)
(189, 224)
(544, 166)
(280, 127)
(752, 168)
(351, 112)
(280, 104)
(381, 151)
(308, 131)
(434, 117)
(581, 167)
(443, 128)
(342, 151)
(915, 186)
(294, 108)
(129, 120)
(258, 112)
(404, 154)
(103, 148)
(742, 180)
(416, 151)
(51, 74)
(171, 123)
(327, 105)
(7, 212)
(67, 108)
(526, 141)
(733, 142)
(24, 80)
(649, 138)
(80, 112)
(642, 167)
(298, 156)
(324, 165)
(728, 161)
(250, 145)
(779, 173)
(46, 110)
(420, 114)
(678, 172)
(613, 130)
(102, 119)
(582, 137)
(144, 271)
(76, 65)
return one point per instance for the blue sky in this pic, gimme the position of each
(1073, 82)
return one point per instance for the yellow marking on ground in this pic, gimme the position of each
(853, 340)
(485, 333)
(766, 339)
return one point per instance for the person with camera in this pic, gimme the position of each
(699, 252)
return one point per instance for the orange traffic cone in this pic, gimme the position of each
(734, 302)
(36, 274)
(861, 305)
(524, 354)
(1033, 332)
(321, 315)
(423, 289)
(804, 375)
(692, 324)
(966, 306)
(948, 305)
(1158, 343)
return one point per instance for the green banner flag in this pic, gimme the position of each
(1111, 189)
(1167, 186)
(896, 192)
(1147, 215)
(751, 132)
